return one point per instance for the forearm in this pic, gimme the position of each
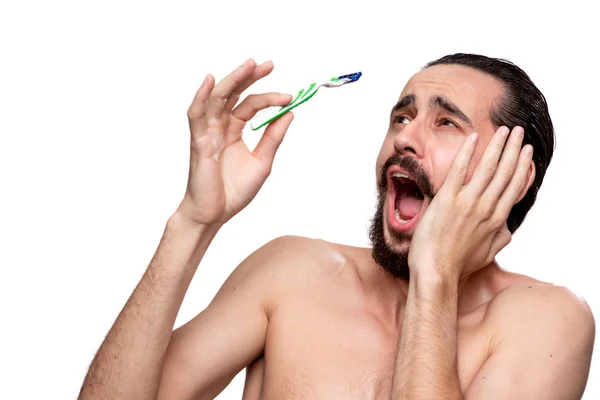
(128, 364)
(426, 362)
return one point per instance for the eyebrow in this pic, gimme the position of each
(404, 102)
(442, 102)
(436, 102)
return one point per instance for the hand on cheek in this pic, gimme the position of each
(464, 227)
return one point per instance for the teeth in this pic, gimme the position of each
(399, 175)
(398, 217)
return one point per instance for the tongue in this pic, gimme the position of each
(409, 206)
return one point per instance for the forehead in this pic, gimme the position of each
(473, 91)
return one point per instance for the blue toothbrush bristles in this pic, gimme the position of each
(351, 77)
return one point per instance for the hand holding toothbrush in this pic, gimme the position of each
(224, 175)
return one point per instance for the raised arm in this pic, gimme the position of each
(207, 352)
(224, 176)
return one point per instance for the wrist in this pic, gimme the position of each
(186, 240)
(180, 222)
(436, 276)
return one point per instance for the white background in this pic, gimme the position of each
(94, 148)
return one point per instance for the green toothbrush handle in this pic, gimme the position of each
(270, 116)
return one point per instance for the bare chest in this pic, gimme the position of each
(319, 350)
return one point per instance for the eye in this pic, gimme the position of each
(401, 119)
(449, 123)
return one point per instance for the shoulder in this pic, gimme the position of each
(288, 262)
(532, 300)
(538, 332)
(285, 252)
(291, 244)
(281, 253)
(543, 316)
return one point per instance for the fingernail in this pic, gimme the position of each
(518, 131)
(474, 137)
(504, 131)
(248, 62)
(529, 150)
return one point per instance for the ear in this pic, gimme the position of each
(530, 179)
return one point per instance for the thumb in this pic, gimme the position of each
(269, 142)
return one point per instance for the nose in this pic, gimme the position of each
(409, 140)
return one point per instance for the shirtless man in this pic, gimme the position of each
(311, 319)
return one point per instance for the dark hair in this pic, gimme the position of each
(522, 105)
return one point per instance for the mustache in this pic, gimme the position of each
(414, 168)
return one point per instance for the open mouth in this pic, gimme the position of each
(405, 198)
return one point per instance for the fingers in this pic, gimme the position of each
(256, 102)
(248, 109)
(198, 107)
(506, 167)
(458, 169)
(517, 183)
(269, 143)
(259, 72)
(221, 92)
(487, 165)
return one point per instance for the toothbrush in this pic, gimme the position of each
(272, 113)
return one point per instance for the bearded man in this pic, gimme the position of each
(425, 313)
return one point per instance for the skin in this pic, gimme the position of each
(314, 319)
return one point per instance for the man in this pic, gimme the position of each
(426, 313)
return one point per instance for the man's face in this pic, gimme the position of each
(438, 108)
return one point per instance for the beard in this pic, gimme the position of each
(393, 261)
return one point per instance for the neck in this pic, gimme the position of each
(391, 293)
(388, 294)
(477, 288)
